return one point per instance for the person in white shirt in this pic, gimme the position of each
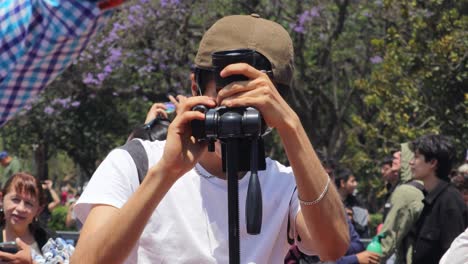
(458, 250)
(178, 214)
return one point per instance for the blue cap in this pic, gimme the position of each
(3, 155)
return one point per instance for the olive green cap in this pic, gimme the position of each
(250, 32)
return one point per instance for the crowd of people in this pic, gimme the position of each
(166, 202)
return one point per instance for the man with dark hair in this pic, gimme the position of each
(444, 215)
(391, 179)
(402, 207)
(178, 213)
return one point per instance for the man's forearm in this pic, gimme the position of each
(125, 226)
(326, 218)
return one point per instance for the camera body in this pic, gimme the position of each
(243, 123)
(223, 122)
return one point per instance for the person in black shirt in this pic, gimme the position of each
(445, 214)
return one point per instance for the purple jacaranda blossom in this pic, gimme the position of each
(64, 102)
(49, 110)
(115, 94)
(92, 96)
(314, 11)
(367, 14)
(107, 69)
(304, 17)
(135, 87)
(75, 104)
(135, 8)
(308, 15)
(115, 55)
(163, 66)
(89, 79)
(165, 3)
(101, 77)
(299, 29)
(376, 59)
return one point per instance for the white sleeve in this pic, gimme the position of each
(458, 251)
(114, 181)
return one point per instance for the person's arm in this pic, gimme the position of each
(351, 259)
(70, 220)
(125, 225)
(39, 41)
(55, 199)
(325, 219)
(407, 205)
(457, 253)
(355, 245)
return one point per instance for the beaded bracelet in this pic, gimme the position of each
(319, 198)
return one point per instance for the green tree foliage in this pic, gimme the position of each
(369, 75)
(420, 86)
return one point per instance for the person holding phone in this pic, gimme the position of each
(23, 200)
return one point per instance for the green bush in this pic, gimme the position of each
(374, 221)
(57, 219)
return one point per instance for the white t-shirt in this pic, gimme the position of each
(458, 251)
(190, 225)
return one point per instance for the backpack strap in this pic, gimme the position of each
(138, 153)
(416, 184)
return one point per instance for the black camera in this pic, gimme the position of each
(243, 123)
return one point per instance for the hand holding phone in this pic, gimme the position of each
(10, 247)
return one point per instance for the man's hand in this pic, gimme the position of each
(258, 92)
(23, 256)
(182, 151)
(367, 257)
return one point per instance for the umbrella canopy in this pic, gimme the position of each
(38, 40)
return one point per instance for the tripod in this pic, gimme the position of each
(254, 196)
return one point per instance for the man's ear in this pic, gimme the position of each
(193, 85)
(342, 183)
(434, 163)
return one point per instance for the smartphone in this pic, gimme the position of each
(10, 247)
(170, 107)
